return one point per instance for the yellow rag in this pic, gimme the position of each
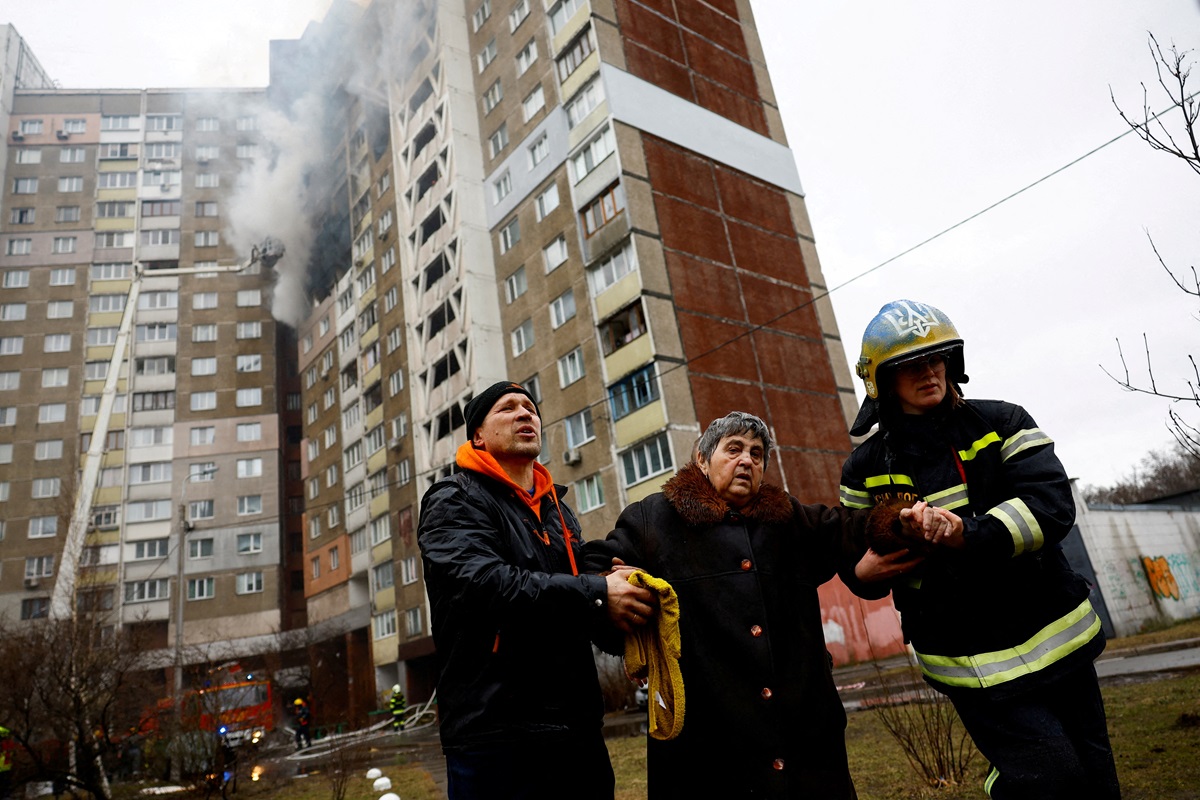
(652, 651)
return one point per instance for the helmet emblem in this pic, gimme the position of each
(912, 319)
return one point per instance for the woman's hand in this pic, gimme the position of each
(873, 567)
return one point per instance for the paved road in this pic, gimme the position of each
(1137, 664)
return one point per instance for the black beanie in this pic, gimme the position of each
(479, 405)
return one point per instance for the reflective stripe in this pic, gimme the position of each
(1022, 525)
(978, 446)
(885, 480)
(1023, 440)
(912, 583)
(990, 780)
(853, 498)
(1049, 645)
(954, 497)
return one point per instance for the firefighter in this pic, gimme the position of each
(399, 706)
(303, 722)
(999, 621)
(7, 746)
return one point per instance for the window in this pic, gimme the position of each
(201, 588)
(22, 216)
(555, 253)
(12, 345)
(381, 529)
(486, 56)
(249, 363)
(57, 343)
(25, 186)
(498, 141)
(249, 582)
(150, 437)
(246, 123)
(148, 510)
(66, 214)
(18, 247)
(522, 337)
(390, 299)
(384, 625)
(208, 124)
(249, 330)
(153, 401)
(52, 412)
(501, 187)
(412, 621)
(249, 504)
(561, 12)
(206, 239)
(515, 285)
(579, 428)
(60, 309)
(164, 122)
(575, 53)
(116, 180)
(395, 383)
(387, 260)
(39, 567)
(249, 397)
(525, 59)
(104, 303)
(589, 493)
(547, 201)
(16, 279)
(481, 15)
(570, 367)
(246, 150)
(647, 459)
(204, 300)
(331, 475)
(598, 148)
(52, 377)
(408, 570)
(12, 380)
(118, 150)
(63, 244)
(204, 333)
(154, 300)
(153, 472)
(562, 308)
(207, 180)
(203, 401)
(248, 543)
(612, 268)
(29, 155)
(43, 527)
(249, 298)
(603, 210)
(249, 467)
(75, 125)
(62, 276)
(382, 577)
(35, 608)
(510, 234)
(403, 473)
(45, 487)
(518, 14)
(71, 155)
(48, 450)
(491, 99)
(8, 416)
(539, 150)
(144, 591)
(160, 236)
(6, 454)
(206, 208)
(632, 392)
(150, 548)
(534, 102)
(110, 272)
(70, 183)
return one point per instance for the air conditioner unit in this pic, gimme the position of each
(202, 161)
(166, 187)
(384, 234)
(62, 134)
(571, 457)
(396, 443)
(358, 262)
(31, 583)
(18, 136)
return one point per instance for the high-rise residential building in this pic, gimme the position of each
(593, 198)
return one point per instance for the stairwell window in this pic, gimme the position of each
(570, 367)
(589, 493)
(510, 234)
(643, 461)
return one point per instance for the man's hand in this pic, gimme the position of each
(934, 525)
(873, 567)
(629, 606)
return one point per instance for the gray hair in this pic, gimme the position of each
(733, 424)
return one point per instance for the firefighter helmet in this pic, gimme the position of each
(905, 329)
(298, 702)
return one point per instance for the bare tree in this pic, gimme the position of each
(1174, 132)
(1160, 473)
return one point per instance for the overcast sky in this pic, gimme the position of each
(904, 119)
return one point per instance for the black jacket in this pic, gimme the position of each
(1007, 611)
(756, 674)
(511, 624)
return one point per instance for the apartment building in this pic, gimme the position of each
(149, 408)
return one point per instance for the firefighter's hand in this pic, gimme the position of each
(629, 606)
(873, 567)
(934, 525)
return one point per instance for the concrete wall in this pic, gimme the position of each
(1147, 562)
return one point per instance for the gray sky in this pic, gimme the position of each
(905, 119)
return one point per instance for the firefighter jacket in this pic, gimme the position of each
(511, 623)
(1006, 611)
(763, 717)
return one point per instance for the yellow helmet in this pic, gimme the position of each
(297, 702)
(905, 329)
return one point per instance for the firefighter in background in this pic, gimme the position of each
(398, 705)
(999, 621)
(303, 723)
(7, 747)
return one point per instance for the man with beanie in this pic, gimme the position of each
(513, 619)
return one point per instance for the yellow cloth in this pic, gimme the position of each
(652, 651)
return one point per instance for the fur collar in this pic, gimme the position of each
(695, 499)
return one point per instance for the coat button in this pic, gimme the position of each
(746, 564)
(756, 630)
(777, 763)
(766, 695)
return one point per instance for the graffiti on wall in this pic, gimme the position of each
(1162, 580)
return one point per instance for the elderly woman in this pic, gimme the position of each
(763, 718)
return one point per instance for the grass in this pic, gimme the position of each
(1189, 629)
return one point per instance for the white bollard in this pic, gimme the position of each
(382, 785)
(373, 773)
